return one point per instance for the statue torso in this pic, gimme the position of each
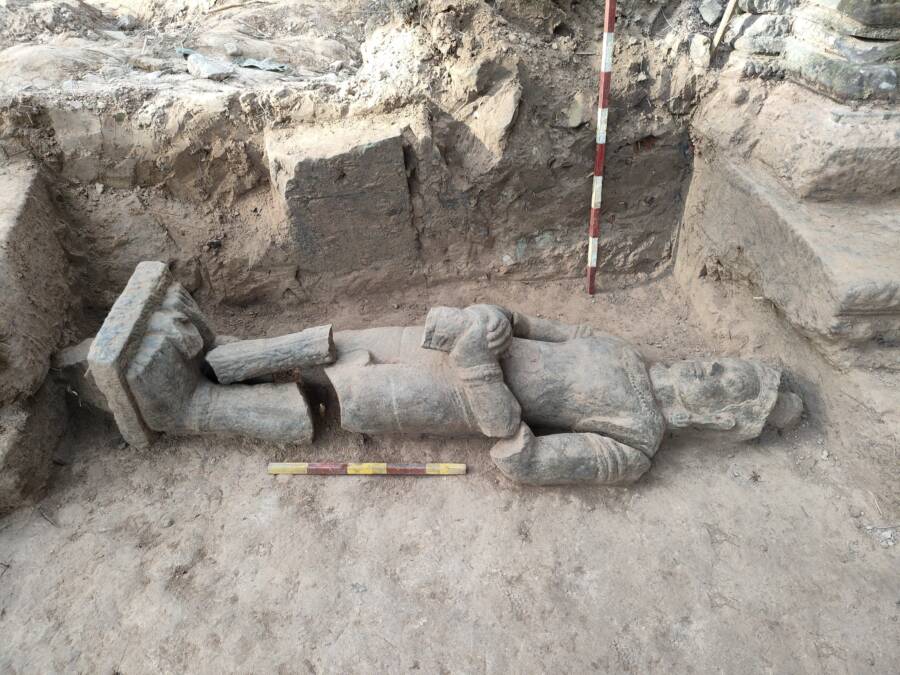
(598, 384)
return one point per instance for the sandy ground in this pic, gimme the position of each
(763, 557)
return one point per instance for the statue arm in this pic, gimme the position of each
(547, 330)
(559, 459)
(474, 338)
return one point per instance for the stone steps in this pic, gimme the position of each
(832, 268)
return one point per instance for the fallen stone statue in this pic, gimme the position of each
(158, 367)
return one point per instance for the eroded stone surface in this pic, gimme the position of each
(345, 196)
(816, 148)
(117, 341)
(832, 49)
(33, 269)
(832, 268)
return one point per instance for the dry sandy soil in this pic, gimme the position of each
(774, 556)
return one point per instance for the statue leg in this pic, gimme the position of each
(270, 412)
(560, 459)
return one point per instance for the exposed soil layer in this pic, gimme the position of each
(492, 104)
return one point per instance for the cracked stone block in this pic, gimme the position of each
(345, 195)
(33, 273)
(30, 430)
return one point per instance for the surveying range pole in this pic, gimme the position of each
(609, 24)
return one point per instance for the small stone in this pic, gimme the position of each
(98, 188)
(207, 68)
(336, 66)
(700, 50)
(739, 96)
(578, 112)
(710, 11)
(127, 22)
(232, 49)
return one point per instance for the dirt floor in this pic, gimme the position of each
(773, 556)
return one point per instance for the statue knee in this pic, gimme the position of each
(561, 459)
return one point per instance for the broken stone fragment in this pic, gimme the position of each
(787, 411)
(126, 22)
(202, 66)
(146, 360)
(486, 124)
(30, 431)
(243, 360)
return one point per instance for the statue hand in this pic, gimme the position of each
(497, 323)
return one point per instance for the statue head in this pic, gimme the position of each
(727, 394)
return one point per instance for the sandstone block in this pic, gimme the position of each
(30, 430)
(866, 12)
(210, 69)
(840, 77)
(711, 11)
(818, 149)
(35, 293)
(118, 339)
(345, 196)
(832, 268)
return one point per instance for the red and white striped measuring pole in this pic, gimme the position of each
(606, 58)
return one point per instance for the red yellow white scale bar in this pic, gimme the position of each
(609, 25)
(365, 469)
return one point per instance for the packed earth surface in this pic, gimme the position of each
(356, 162)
